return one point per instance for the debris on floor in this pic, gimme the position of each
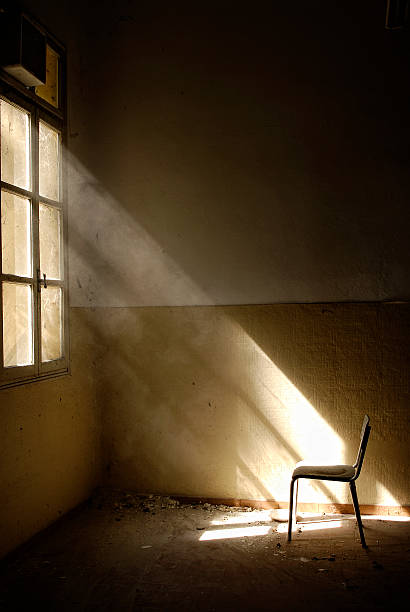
(163, 554)
(332, 557)
(120, 501)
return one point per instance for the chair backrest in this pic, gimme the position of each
(364, 437)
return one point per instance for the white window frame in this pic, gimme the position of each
(39, 110)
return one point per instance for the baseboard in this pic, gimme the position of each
(302, 506)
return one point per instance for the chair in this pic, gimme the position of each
(339, 473)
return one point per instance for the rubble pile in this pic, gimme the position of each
(120, 501)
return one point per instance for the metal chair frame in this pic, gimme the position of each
(357, 467)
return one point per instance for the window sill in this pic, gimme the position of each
(34, 379)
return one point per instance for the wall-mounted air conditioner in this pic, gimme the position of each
(22, 49)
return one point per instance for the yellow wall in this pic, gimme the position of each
(224, 156)
(223, 401)
(209, 402)
(49, 446)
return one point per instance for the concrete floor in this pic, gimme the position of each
(118, 552)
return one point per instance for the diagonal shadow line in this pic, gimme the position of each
(254, 479)
(78, 240)
(245, 398)
(238, 460)
(238, 392)
(178, 413)
(291, 451)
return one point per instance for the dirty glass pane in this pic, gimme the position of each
(49, 161)
(15, 234)
(15, 145)
(17, 325)
(49, 227)
(49, 91)
(51, 323)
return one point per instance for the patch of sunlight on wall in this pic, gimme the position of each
(115, 262)
(384, 497)
(281, 428)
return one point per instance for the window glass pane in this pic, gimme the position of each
(51, 323)
(49, 91)
(49, 227)
(17, 325)
(49, 161)
(15, 234)
(15, 145)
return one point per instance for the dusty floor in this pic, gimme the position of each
(119, 552)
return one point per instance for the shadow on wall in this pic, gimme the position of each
(192, 406)
(222, 401)
(194, 403)
(253, 169)
(347, 360)
(261, 151)
(180, 412)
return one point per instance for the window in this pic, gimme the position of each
(33, 289)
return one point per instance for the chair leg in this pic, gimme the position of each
(296, 501)
(357, 512)
(292, 484)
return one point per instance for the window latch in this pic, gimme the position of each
(41, 281)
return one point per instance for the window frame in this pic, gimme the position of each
(40, 110)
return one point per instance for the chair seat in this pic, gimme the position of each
(325, 471)
(339, 472)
